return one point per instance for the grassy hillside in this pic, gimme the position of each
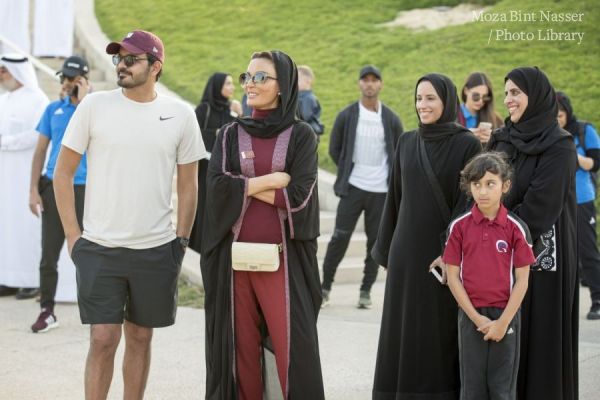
(337, 37)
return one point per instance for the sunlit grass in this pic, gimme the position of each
(337, 37)
(190, 295)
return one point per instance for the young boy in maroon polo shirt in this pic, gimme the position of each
(488, 254)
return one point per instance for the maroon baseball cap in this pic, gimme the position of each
(139, 42)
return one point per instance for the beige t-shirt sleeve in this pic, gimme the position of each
(77, 135)
(191, 147)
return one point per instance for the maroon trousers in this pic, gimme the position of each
(264, 291)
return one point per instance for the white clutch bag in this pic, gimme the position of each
(255, 257)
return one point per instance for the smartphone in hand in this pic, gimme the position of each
(437, 272)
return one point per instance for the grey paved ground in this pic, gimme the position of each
(50, 365)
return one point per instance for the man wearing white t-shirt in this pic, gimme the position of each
(129, 255)
(362, 146)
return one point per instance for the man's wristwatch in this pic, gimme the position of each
(184, 242)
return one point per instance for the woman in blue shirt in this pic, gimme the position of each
(588, 157)
(477, 110)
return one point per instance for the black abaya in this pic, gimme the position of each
(224, 204)
(226, 197)
(212, 113)
(418, 345)
(417, 356)
(543, 195)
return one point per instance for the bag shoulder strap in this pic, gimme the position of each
(581, 125)
(207, 115)
(433, 182)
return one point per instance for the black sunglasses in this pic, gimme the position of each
(129, 59)
(68, 78)
(259, 78)
(477, 96)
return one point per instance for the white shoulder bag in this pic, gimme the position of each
(255, 257)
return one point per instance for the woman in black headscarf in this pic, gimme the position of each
(543, 195)
(418, 344)
(261, 188)
(216, 109)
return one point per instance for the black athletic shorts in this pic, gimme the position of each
(119, 283)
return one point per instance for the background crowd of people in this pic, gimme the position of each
(253, 179)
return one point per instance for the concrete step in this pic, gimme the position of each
(53, 62)
(328, 222)
(96, 76)
(350, 270)
(103, 85)
(49, 85)
(356, 248)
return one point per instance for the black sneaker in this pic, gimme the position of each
(45, 321)
(594, 311)
(27, 293)
(7, 291)
(364, 300)
(325, 294)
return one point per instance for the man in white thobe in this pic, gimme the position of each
(20, 110)
(14, 25)
(53, 27)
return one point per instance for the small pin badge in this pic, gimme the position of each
(247, 154)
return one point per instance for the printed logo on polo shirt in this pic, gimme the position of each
(59, 111)
(502, 246)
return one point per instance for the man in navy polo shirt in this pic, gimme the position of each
(51, 127)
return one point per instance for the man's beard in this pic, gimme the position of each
(134, 82)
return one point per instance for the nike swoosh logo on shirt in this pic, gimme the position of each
(164, 118)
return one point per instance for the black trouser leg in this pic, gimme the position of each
(503, 359)
(589, 256)
(53, 238)
(472, 353)
(373, 209)
(348, 212)
(488, 369)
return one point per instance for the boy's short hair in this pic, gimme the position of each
(490, 161)
(306, 71)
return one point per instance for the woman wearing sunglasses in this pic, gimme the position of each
(477, 111)
(261, 189)
(216, 109)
